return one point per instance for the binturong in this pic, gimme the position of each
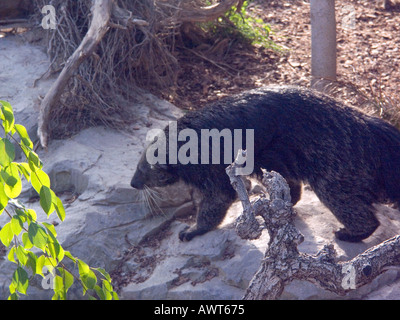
(350, 160)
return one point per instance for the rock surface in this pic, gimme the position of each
(108, 226)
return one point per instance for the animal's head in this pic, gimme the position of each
(152, 175)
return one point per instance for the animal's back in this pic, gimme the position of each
(297, 131)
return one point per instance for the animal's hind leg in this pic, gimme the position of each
(295, 190)
(355, 213)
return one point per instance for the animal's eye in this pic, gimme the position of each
(163, 176)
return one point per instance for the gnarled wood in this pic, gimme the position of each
(284, 263)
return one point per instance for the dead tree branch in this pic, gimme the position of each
(101, 11)
(283, 262)
(246, 226)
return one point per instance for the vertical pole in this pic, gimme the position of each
(323, 42)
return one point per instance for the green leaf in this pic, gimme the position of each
(3, 198)
(7, 116)
(20, 213)
(25, 240)
(39, 178)
(16, 225)
(59, 208)
(50, 262)
(59, 284)
(13, 296)
(37, 235)
(104, 273)
(22, 255)
(83, 267)
(56, 250)
(67, 277)
(34, 162)
(47, 197)
(25, 170)
(58, 295)
(52, 230)
(62, 283)
(31, 214)
(107, 289)
(44, 265)
(90, 279)
(115, 295)
(6, 234)
(13, 184)
(21, 130)
(100, 292)
(20, 280)
(7, 152)
(69, 255)
(10, 255)
(12, 288)
(32, 259)
(40, 264)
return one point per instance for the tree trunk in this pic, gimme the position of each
(323, 43)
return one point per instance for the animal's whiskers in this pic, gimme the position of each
(152, 200)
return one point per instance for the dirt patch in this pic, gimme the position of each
(139, 261)
(367, 47)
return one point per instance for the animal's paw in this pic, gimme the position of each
(345, 235)
(186, 234)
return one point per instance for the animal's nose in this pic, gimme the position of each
(136, 184)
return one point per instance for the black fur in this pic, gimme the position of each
(350, 160)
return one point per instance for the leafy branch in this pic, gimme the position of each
(33, 245)
(240, 23)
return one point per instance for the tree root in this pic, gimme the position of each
(101, 11)
(132, 53)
